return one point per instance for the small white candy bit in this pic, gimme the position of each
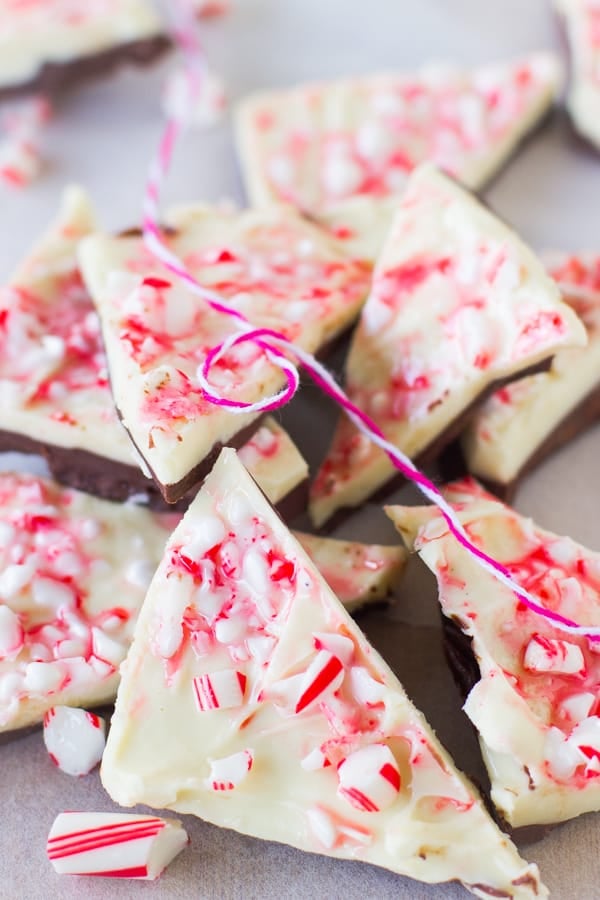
(117, 845)
(364, 688)
(369, 778)
(550, 655)
(228, 773)
(74, 739)
(577, 707)
(324, 676)
(11, 633)
(340, 646)
(219, 690)
(314, 760)
(562, 755)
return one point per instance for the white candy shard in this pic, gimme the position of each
(118, 845)
(544, 654)
(11, 633)
(219, 690)
(228, 773)
(370, 778)
(74, 739)
(324, 676)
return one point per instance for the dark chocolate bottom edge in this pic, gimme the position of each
(54, 77)
(463, 666)
(117, 481)
(434, 450)
(585, 414)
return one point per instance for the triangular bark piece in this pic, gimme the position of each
(273, 267)
(580, 23)
(44, 46)
(251, 699)
(358, 574)
(525, 421)
(458, 305)
(340, 150)
(73, 574)
(534, 700)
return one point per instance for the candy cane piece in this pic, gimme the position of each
(117, 845)
(229, 772)
(219, 690)
(323, 676)
(369, 778)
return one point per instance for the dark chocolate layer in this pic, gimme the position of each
(585, 414)
(432, 452)
(54, 77)
(461, 660)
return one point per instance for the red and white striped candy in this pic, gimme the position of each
(324, 676)
(117, 845)
(219, 690)
(545, 655)
(75, 739)
(229, 772)
(369, 778)
(340, 646)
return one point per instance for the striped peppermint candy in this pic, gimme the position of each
(369, 779)
(117, 845)
(324, 676)
(229, 772)
(219, 690)
(75, 739)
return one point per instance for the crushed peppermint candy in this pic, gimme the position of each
(114, 845)
(74, 739)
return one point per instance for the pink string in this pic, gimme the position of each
(279, 349)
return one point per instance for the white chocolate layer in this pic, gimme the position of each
(507, 430)
(581, 19)
(358, 574)
(536, 703)
(236, 601)
(53, 374)
(272, 266)
(60, 31)
(338, 150)
(274, 461)
(73, 574)
(458, 302)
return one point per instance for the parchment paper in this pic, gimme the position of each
(103, 136)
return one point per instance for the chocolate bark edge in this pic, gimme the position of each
(461, 660)
(585, 414)
(55, 77)
(433, 451)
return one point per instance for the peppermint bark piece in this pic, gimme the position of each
(340, 150)
(273, 267)
(534, 700)
(46, 44)
(525, 421)
(73, 574)
(581, 21)
(458, 305)
(251, 699)
(54, 392)
(358, 574)
(275, 462)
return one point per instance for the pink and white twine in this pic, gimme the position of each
(286, 355)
